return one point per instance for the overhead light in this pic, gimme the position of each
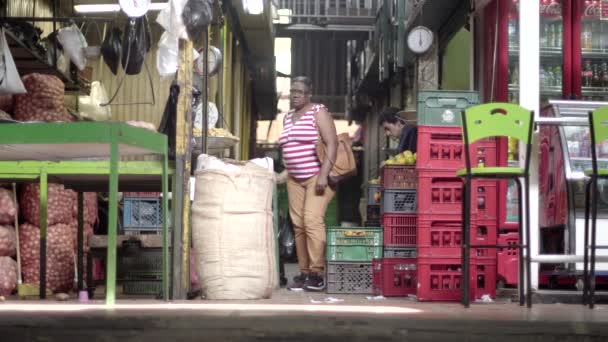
(253, 7)
(108, 8)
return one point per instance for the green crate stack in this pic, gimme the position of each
(350, 252)
(443, 107)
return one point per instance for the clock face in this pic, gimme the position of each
(214, 61)
(135, 8)
(420, 39)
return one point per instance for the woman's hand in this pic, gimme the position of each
(322, 183)
(281, 178)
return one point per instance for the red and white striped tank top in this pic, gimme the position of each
(298, 142)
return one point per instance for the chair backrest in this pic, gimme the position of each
(497, 120)
(598, 129)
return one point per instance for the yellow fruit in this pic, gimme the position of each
(390, 162)
(401, 159)
(415, 157)
(377, 196)
(409, 160)
(408, 154)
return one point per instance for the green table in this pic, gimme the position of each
(63, 152)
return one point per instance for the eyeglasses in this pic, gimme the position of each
(297, 92)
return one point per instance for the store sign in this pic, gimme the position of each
(596, 9)
(550, 9)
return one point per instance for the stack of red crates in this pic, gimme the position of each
(439, 235)
(395, 274)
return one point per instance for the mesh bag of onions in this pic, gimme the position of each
(59, 258)
(8, 275)
(90, 207)
(8, 241)
(44, 100)
(7, 207)
(60, 204)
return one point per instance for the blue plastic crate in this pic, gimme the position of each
(141, 213)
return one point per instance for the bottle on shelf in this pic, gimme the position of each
(595, 30)
(549, 77)
(559, 37)
(586, 37)
(587, 74)
(551, 36)
(513, 39)
(515, 74)
(597, 77)
(557, 74)
(544, 36)
(604, 74)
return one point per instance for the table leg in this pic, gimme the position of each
(165, 207)
(43, 226)
(80, 241)
(112, 224)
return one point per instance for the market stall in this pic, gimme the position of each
(34, 151)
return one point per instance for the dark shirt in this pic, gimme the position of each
(409, 139)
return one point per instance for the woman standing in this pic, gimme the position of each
(307, 180)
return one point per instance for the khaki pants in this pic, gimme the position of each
(307, 211)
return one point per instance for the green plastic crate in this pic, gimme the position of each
(443, 107)
(142, 287)
(354, 243)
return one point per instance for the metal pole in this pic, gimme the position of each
(529, 97)
(80, 240)
(204, 91)
(43, 202)
(183, 160)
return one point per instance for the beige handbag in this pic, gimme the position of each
(345, 165)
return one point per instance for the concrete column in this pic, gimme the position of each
(529, 97)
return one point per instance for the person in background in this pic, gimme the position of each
(307, 177)
(397, 128)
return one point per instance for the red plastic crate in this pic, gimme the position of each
(398, 177)
(507, 260)
(440, 279)
(440, 192)
(394, 277)
(400, 229)
(442, 148)
(441, 236)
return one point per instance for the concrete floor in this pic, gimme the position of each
(298, 316)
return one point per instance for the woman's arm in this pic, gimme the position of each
(327, 130)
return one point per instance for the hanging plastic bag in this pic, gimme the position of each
(74, 43)
(197, 15)
(111, 48)
(170, 18)
(167, 56)
(136, 45)
(10, 82)
(287, 240)
(90, 106)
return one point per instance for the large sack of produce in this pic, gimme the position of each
(60, 204)
(8, 276)
(6, 103)
(8, 210)
(90, 209)
(44, 100)
(59, 256)
(233, 234)
(8, 241)
(88, 231)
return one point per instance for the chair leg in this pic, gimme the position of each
(593, 243)
(528, 246)
(520, 258)
(586, 243)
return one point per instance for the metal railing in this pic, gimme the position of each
(313, 11)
